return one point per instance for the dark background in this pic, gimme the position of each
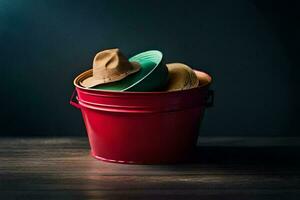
(249, 47)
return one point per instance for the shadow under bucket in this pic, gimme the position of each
(143, 127)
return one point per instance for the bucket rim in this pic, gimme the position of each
(111, 92)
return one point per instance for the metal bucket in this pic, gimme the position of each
(143, 127)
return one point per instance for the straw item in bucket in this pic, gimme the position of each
(109, 66)
(181, 77)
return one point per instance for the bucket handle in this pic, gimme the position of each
(210, 99)
(74, 101)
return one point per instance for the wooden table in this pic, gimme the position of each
(223, 168)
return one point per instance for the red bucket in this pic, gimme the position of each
(143, 127)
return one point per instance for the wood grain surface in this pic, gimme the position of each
(222, 168)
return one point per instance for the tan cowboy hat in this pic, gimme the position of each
(181, 77)
(109, 66)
